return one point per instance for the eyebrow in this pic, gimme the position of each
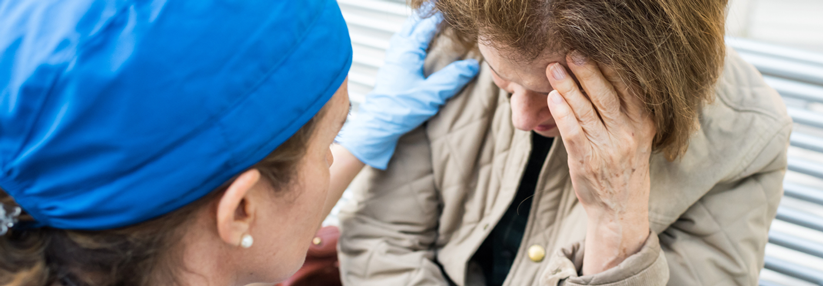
(500, 76)
(495, 72)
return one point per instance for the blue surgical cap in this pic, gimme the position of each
(114, 112)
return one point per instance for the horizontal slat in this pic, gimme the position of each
(356, 97)
(379, 6)
(796, 243)
(805, 167)
(362, 79)
(361, 21)
(800, 218)
(805, 141)
(794, 270)
(785, 68)
(767, 283)
(371, 62)
(806, 117)
(744, 45)
(371, 42)
(795, 89)
(803, 193)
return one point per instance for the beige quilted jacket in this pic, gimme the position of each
(450, 181)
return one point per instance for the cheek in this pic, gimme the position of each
(293, 218)
(307, 207)
(316, 187)
(306, 212)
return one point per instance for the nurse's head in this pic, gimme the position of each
(670, 52)
(278, 202)
(160, 143)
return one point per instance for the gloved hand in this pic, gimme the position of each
(403, 98)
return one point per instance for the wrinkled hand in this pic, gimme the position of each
(608, 136)
(403, 98)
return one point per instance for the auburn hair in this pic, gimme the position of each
(147, 253)
(670, 51)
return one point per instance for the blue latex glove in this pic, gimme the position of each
(403, 98)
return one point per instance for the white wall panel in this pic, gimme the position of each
(371, 24)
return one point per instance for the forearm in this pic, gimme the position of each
(345, 167)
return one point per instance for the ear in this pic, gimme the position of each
(235, 211)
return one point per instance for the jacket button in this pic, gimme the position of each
(536, 253)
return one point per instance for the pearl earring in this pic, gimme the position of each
(246, 241)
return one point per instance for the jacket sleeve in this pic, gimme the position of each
(389, 228)
(719, 240)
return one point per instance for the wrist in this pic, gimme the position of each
(612, 237)
(367, 143)
(629, 213)
(619, 231)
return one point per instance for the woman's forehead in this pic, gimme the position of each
(530, 74)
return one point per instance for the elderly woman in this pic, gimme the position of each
(177, 142)
(603, 143)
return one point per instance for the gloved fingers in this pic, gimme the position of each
(408, 26)
(451, 79)
(403, 66)
(425, 30)
(417, 25)
(413, 39)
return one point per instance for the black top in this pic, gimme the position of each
(496, 255)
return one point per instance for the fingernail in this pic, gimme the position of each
(558, 72)
(578, 58)
(555, 96)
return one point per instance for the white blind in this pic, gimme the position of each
(371, 24)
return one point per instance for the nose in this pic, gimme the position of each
(529, 109)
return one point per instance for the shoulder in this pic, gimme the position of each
(744, 132)
(743, 92)
(476, 106)
(747, 122)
